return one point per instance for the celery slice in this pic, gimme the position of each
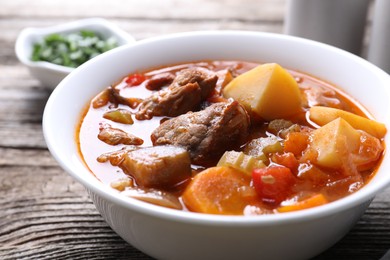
(240, 161)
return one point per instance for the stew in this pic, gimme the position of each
(229, 137)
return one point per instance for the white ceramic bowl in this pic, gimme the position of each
(170, 234)
(50, 74)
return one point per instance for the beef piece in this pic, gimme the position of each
(157, 167)
(187, 91)
(205, 78)
(104, 97)
(114, 136)
(112, 95)
(282, 127)
(160, 80)
(116, 157)
(206, 134)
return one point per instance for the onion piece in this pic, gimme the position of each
(154, 196)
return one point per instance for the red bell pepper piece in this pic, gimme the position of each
(274, 183)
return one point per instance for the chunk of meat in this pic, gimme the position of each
(158, 81)
(102, 98)
(278, 125)
(160, 167)
(112, 95)
(116, 157)
(115, 136)
(205, 78)
(206, 134)
(187, 91)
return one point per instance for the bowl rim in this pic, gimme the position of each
(355, 199)
(27, 33)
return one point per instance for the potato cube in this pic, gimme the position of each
(334, 143)
(267, 90)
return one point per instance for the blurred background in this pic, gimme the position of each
(147, 18)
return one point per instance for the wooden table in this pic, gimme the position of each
(45, 214)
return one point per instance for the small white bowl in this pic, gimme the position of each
(172, 234)
(50, 74)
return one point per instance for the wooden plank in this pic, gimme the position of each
(54, 220)
(97, 249)
(22, 101)
(21, 135)
(25, 157)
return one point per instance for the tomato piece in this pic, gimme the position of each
(288, 160)
(135, 79)
(273, 184)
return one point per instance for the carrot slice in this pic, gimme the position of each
(296, 143)
(218, 190)
(316, 200)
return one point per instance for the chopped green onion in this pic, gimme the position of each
(72, 49)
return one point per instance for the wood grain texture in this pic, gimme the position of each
(44, 213)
